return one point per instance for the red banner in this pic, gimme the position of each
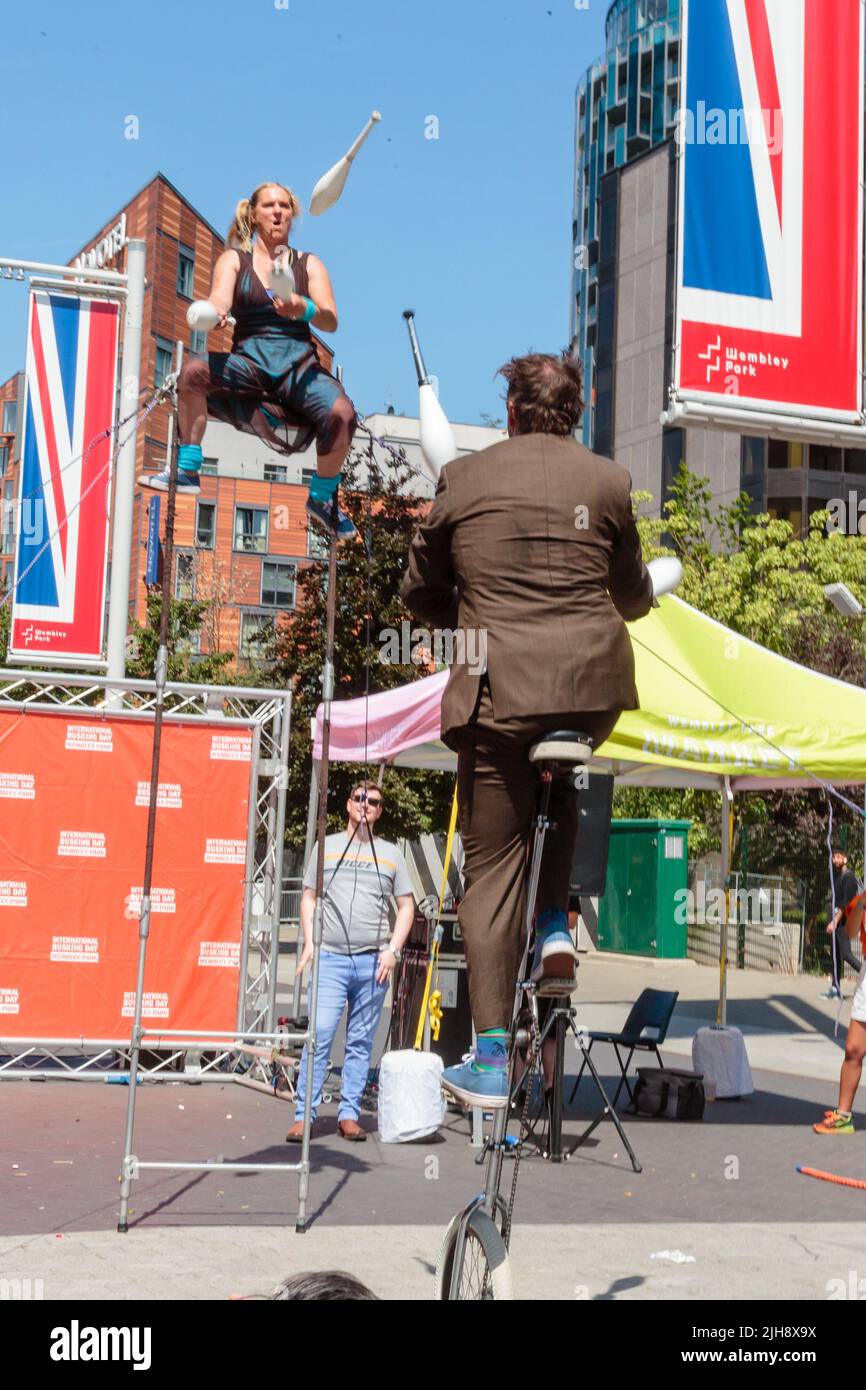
(73, 818)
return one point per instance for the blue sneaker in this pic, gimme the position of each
(323, 513)
(554, 966)
(474, 1086)
(187, 483)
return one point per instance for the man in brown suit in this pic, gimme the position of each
(530, 549)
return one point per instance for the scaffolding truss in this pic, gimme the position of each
(267, 714)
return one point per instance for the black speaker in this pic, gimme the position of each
(594, 807)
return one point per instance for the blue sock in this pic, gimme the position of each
(324, 489)
(189, 458)
(551, 920)
(489, 1056)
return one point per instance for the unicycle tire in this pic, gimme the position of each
(486, 1272)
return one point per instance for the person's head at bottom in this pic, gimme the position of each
(317, 1286)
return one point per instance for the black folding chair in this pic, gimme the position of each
(644, 1030)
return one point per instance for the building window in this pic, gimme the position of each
(276, 473)
(4, 458)
(788, 509)
(752, 453)
(278, 584)
(855, 460)
(185, 271)
(162, 365)
(251, 529)
(10, 410)
(257, 637)
(190, 644)
(307, 475)
(673, 458)
(184, 574)
(198, 342)
(318, 544)
(209, 466)
(205, 525)
(825, 458)
(782, 453)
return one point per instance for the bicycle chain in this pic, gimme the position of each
(531, 1060)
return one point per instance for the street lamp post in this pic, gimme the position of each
(845, 603)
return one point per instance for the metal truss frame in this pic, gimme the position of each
(267, 713)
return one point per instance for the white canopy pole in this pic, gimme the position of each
(727, 836)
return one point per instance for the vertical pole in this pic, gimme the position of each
(144, 917)
(284, 719)
(124, 476)
(727, 837)
(318, 914)
(308, 849)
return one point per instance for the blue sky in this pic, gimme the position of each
(472, 230)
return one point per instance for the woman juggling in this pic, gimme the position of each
(271, 383)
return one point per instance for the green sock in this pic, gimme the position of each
(494, 1034)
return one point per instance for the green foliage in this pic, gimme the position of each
(5, 625)
(185, 619)
(761, 579)
(368, 607)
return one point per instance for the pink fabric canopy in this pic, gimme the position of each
(379, 728)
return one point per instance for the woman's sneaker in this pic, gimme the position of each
(835, 1122)
(331, 518)
(187, 483)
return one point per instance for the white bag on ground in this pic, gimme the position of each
(720, 1053)
(411, 1104)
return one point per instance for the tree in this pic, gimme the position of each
(761, 579)
(370, 622)
(184, 622)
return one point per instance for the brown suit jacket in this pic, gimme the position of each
(533, 541)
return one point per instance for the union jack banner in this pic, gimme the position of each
(61, 522)
(769, 279)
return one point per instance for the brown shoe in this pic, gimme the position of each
(296, 1133)
(351, 1130)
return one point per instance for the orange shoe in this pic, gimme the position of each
(835, 1122)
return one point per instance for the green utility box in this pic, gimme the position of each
(647, 866)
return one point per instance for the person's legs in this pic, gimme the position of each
(316, 395)
(839, 1121)
(366, 999)
(852, 1067)
(335, 975)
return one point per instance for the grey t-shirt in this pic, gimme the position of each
(358, 894)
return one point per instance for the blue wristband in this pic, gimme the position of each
(310, 311)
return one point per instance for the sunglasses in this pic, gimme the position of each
(371, 801)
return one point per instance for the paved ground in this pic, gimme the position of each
(724, 1191)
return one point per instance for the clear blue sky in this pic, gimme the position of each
(472, 230)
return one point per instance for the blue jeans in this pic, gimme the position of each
(344, 980)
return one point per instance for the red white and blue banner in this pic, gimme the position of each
(770, 240)
(63, 504)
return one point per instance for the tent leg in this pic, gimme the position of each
(727, 837)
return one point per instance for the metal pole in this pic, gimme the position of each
(161, 674)
(279, 852)
(727, 827)
(308, 849)
(124, 475)
(318, 914)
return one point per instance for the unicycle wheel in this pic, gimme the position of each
(485, 1268)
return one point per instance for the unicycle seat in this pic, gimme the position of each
(563, 746)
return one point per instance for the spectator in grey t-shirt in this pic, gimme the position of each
(357, 958)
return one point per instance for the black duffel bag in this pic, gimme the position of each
(673, 1095)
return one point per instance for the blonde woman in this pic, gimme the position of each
(271, 383)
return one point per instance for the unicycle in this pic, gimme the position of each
(474, 1263)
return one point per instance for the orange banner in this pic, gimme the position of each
(73, 820)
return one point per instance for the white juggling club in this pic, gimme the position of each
(202, 314)
(436, 435)
(330, 185)
(665, 573)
